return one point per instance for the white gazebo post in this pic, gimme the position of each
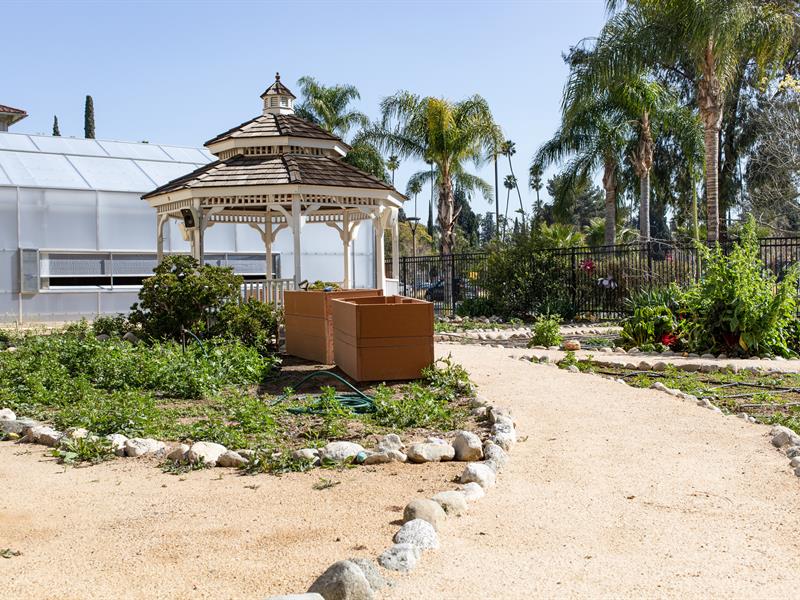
(348, 231)
(379, 223)
(395, 244)
(161, 220)
(296, 226)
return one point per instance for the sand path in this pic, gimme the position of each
(615, 492)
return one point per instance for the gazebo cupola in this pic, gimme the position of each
(278, 100)
(279, 171)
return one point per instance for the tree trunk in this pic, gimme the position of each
(610, 186)
(446, 217)
(710, 101)
(642, 160)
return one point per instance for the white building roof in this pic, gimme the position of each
(38, 161)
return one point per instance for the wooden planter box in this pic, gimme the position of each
(308, 322)
(382, 338)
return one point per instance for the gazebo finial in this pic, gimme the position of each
(278, 99)
(277, 76)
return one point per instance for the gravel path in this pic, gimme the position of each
(616, 492)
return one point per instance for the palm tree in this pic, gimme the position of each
(413, 190)
(535, 183)
(509, 149)
(509, 182)
(393, 164)
(592, 135)
(329, 106)
(447, 134)
(560, 235)
(711, 37)
(594, 233)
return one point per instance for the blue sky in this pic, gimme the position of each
(181, 72)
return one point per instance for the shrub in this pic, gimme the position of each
(183, 295)
(130, 413)
(649, 325)
(253, 323)
(112, 326)
(546, 331)
(739, 306)
(477, 307)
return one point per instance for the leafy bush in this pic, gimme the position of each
(546, 331)
(739, 306)
(477, 307)
(648, 326)
(253, 323)
(112, 326)
(183, 295)
(130, 413)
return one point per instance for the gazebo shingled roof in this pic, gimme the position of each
(276, 171)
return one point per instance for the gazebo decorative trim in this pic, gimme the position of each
(279, 171)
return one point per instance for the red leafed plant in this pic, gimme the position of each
(669, 339)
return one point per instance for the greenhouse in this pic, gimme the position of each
(76, 239)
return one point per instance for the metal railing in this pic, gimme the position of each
(593, 280)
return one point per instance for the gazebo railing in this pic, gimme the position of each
(267, 290)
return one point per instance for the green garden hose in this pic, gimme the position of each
(357, 401)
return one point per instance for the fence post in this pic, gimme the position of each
(405, 279)
(649, 264)
(574, 278)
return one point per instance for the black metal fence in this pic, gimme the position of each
(587, 279)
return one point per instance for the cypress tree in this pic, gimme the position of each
(88, 118)
(56, 130)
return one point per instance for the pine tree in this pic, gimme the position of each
(88, 118)
(56, 130)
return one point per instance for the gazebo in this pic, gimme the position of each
(280, 171)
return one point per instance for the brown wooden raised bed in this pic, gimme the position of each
(382, 338)
(308, 321)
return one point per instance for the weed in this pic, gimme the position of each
(546, 331)
(92, 450)
(266, 460)
(324, 484)
(9, 553)
(181, 467)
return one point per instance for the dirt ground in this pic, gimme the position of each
(612, 492)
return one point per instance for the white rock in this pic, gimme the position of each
(782, 436)
(7, 414)
(390, 442)
(231, 459)
(379, 458)
(297, 597)
(494, 456)
(400, 557)
(75, 433)
(454, 503)
(480, 473)
(118, 443)
(430, 452)
(45, 435)
(340, 451)
(178, 453)
(343, 580)
(793, 451)
(496, 412)
(144, 446)
(467, 446)
(504, 434)
(427, 510)
(573, 369)
(472, 491)
(419, 533)
(795, 462)
(206, 452)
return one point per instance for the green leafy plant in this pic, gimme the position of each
(183, 295)
(92, 450)
(267, 460)
(253, 323)
(739, 306)
(113, 326)
(546, 331)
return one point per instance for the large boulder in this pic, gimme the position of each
(427, 510)
(419, 533)
(400, 557)
(467, 446)
(430, 452)
(480, 473)
(343, 580)
(206, 452)
(340, 451)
